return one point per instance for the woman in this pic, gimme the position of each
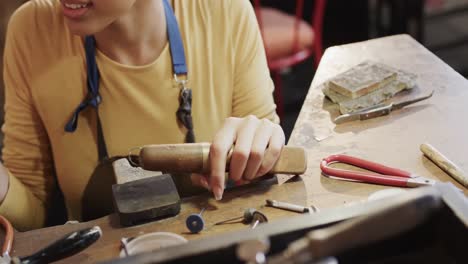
(91, 79)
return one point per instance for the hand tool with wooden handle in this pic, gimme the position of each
(194, 158)
(445, 164)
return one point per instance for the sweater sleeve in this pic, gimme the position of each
(253, 86)
(26, 152)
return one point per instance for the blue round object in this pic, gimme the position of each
(195, 223)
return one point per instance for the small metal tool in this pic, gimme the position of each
(378, 110)
(291, 207)
(195, 222)
(246, 218)
(258, 218)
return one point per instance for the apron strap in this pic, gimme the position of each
(101, 142)
(92, 98)
(179, 66)
(176, 44)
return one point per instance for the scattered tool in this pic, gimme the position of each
(9, 235)
(68, 245)
(195, 222)
(258, 218)
(389, 176)
(194, 158)
(379, 110)
(141, 196)
(246, 218)
(445, 164)
(62, 248)
(291, 207)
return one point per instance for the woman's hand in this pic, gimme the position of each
(257, 145)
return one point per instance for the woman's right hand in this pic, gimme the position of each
(256, 143)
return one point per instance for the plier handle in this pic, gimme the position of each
(9, 233)
(385, 175)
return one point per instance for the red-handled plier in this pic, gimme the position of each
(6, 248)
(385, 175)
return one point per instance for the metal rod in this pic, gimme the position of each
(287, 206)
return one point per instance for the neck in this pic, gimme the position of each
(138, 37)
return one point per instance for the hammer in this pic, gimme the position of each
(142, 195)
(194, 158)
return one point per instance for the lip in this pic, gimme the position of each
(75, 13)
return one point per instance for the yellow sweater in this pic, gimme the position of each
(45, 80)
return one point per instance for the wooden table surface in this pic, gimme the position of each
(233, 204)
(393, 140)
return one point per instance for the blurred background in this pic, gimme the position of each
(296, 32)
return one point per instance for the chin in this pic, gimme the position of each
(81, 28)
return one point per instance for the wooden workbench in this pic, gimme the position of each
(393, 140)
(233, 204)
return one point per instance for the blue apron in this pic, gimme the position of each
(97, 196)
(179, 67)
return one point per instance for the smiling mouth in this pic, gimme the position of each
(75, 10)
(75, 6)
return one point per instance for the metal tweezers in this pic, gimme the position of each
(379, 110)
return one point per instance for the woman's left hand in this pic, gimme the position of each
(256, 144)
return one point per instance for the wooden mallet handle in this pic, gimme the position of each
(445, 164)
(194, 158)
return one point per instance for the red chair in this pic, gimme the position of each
(289, 40)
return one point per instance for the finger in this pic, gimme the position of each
(241, 182)
(242, 147)
(273, 151)
(200, 180)
(222, 143)
(257, 152)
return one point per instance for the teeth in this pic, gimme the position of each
(75, 6)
